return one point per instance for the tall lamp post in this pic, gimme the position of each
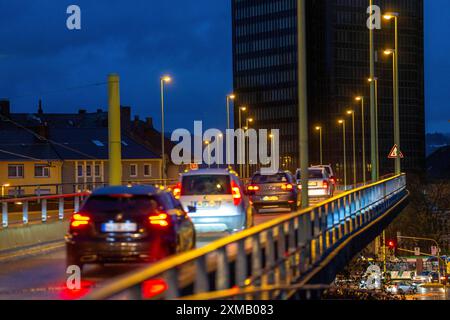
(319, 129)
(241, 167)
(377, 172)
(345, 151)
(163, 81)
(363, 128)
(352, 113)
(230, 97)
(389, 16)
(247, 153)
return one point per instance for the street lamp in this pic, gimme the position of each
(229, 98)
(241, 168)
(377, 168)
(319, 128)
(247, 154)
(363, 126)
(345, 152)
(352, 113)
(163, 80)
(389, 16)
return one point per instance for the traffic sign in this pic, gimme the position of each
(395, 153)
(417, 251)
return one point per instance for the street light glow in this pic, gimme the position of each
(340, 121)
(350, 112)
(232, 96)
(390, 15)
(166, 79)
(243, 108)
(389, 51)
(358, 98)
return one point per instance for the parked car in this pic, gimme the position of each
(128, 224)
(319, 182)
(401, 287)
(218, 198)
(276, 191)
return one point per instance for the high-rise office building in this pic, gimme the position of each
(265, 76)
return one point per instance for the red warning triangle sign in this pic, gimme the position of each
(396, 153)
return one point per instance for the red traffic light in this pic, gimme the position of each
(392, 244)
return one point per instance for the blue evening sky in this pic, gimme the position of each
(142, 39)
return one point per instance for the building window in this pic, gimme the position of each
(80, 171)
(15, 171)
(88, 171)
(97, 171)
(147, 170)
(133, 170)
(41, 171)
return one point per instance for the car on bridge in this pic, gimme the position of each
(128, 224)
(320, 184)
(276, 191)
(217, 200)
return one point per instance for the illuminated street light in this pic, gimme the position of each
(164, 80)
(241, 109)
(395, 16)
(352, 113)
(230, 97)
(319, 128)
(342, 122)
(363, 124)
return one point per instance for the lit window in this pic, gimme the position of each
(80, 171)
(97, 171)
(88, 170)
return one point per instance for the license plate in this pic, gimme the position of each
(207, 204)
(272, 198)
(313, 184)
(119, 227)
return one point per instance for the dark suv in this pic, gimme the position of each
(121, 224)
(274, 191)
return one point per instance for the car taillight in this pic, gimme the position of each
(161, 220)
(177, 191)
(333, 180)
(287, 187)
(153, 288)
(79, 220)
(325, 184)
(236, 192)
(253, 188)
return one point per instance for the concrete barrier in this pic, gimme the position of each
(32, 235)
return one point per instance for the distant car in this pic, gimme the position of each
(424, 277)
(319, 182)
(218, 200)
(128, 224)
(401, 287)
(329, 169)
(274, 191)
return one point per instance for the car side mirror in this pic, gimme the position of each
(192, 209)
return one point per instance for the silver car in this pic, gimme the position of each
(319, 182)
(215, 201)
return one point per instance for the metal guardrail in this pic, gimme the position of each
(277, 255)
(41, 203)
(20, 191)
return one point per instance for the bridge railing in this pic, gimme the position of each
(269, 261)
(22, 211)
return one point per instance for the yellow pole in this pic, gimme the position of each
(114, 135)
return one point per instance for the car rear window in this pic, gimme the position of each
(313, 174)
(205, 185)
(120, 203)
(276, 178)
